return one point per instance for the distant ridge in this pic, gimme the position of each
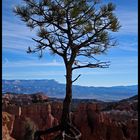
(54, 89)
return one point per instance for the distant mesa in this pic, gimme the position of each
(54, 89)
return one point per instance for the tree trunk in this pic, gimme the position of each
(65, 125)
(65, 119)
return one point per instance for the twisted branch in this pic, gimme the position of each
(97, 65)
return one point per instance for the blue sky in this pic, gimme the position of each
(17, 64)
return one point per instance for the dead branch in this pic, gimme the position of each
(76, 78)
(97, 65)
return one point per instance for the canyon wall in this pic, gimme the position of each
(96, 121)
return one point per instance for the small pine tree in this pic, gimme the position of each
(75, 30)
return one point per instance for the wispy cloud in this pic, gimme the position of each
(123, 60)
(8, 64)
(16, 30)
(45, 74)
(35, 74)
(129, 46)
(128, 21)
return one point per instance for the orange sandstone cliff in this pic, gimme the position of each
(96, 121)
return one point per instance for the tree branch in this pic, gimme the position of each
(48, 45)
(83, 44)
(76, 78)
(97, 65)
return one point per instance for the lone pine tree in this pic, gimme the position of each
(74, 30)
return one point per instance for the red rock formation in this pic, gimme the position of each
(7, 126)
(107, 125)
(39, 114)
(24, 128)
(22, 99)
(94, 120)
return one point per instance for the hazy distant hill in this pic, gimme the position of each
(55, 89)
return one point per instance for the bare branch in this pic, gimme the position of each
(76, 78)
(96, 65)
(49, 45)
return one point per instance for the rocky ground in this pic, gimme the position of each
(23, 114)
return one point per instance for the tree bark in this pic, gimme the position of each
(65, 119)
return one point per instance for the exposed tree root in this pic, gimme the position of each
(46, 132)
(71, 133)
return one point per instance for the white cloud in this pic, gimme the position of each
(128, 21)
(129, 46)
(30, 64)
(16, 30)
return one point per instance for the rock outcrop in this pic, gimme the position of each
(22, 99)
(7, 126)
(96, 121)
(96, 124)
(38, 116)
